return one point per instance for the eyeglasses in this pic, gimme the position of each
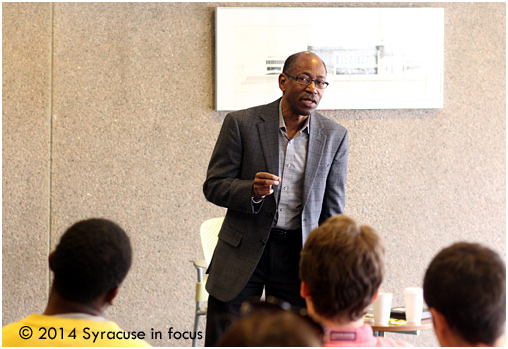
(304, 80)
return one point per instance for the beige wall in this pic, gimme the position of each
(108, 111)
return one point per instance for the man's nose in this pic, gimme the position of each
(312, 87)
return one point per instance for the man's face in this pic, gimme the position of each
(301, 99)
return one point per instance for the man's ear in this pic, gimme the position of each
(110, 295)
(304, 290)
(50, 260)
(282, 82)
(441, 328)
(375, 296)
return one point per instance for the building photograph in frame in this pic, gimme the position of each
(376, 58)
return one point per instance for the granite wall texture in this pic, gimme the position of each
(108, 110)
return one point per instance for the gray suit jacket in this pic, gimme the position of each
(249, 143)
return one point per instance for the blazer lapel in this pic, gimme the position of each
(317, 141)
(268, 130)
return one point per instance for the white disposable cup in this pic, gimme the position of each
(382, 308)
(413, 300)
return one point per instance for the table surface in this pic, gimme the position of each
(426, 324)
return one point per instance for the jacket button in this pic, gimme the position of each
(262, 242)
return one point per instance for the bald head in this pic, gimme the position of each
(291, 60)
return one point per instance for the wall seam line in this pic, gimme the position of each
(50, 138)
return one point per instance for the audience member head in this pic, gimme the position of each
(465, 290)
(91, 259)
(267, 325)
(341, 268)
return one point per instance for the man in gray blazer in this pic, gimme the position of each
(280, 170)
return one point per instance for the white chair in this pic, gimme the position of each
(209, 232)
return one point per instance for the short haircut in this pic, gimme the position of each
(92, 258)
(291, 61)
(342, 264)
(466, 283)
(276, 329)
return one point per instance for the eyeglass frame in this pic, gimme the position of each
(315, 81)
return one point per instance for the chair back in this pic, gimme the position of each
(209, 232)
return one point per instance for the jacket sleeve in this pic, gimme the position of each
(223, 185)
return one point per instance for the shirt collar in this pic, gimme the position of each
(80, 316)
(282, 124)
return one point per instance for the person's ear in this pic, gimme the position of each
(304, 290)
(110, 295)
(282, 82)
(441, 328)
(375, 296)
(50, 261)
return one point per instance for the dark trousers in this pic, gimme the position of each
(276, 272)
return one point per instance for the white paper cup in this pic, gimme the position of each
(382, 307)
(413, 300)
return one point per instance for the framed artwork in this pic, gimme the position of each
(376, 58)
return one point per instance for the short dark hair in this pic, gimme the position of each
(343, 265)
(271, 329)
(92, 258)
(291, 61)
(466, 283)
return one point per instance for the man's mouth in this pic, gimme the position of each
(308, 101)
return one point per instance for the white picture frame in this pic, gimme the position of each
(377, 58)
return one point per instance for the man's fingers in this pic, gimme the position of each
(263, 184)
(268, 176)
(266, 182)
(267, 179)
